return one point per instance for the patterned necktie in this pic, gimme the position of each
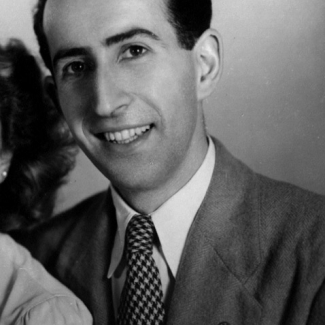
(141, 299)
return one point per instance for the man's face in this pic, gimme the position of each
(127, 90)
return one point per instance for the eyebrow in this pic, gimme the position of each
(130, 34)
(112, 40)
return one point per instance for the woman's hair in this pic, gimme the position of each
(42, 148)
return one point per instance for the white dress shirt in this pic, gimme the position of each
(172, 221)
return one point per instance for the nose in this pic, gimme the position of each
(110, 94)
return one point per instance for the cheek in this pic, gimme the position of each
(171, 88)
(181, 100)
(72, 105)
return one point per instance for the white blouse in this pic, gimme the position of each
(31, 296)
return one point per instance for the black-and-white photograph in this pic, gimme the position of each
(162, 162)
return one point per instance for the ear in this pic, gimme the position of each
(5, 160)
(51, 90)
(208, 54)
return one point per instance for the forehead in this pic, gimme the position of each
(77, 21)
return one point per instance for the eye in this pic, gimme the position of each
(134, 51)
(74, 68)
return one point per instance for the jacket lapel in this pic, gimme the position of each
(221, 252)
(89, 248)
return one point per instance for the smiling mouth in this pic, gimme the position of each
(125, 136)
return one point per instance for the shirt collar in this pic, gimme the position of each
(172, 219)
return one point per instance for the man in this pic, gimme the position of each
(230, 246)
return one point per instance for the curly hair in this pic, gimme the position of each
(43, 151)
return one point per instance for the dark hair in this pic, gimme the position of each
(190, 18)
(43, 150)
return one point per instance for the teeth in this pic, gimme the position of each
(127, 135)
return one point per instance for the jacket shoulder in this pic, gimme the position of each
(291, 229)
(45, 240)
(283, 202)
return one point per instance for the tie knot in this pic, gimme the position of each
(139, 234)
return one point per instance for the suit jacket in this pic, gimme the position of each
(255, 253)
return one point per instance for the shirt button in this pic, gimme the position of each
(224, 323)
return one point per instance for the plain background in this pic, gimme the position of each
(269, 106)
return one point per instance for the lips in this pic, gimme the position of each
(125, 136)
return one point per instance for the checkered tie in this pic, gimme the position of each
(141, 299)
